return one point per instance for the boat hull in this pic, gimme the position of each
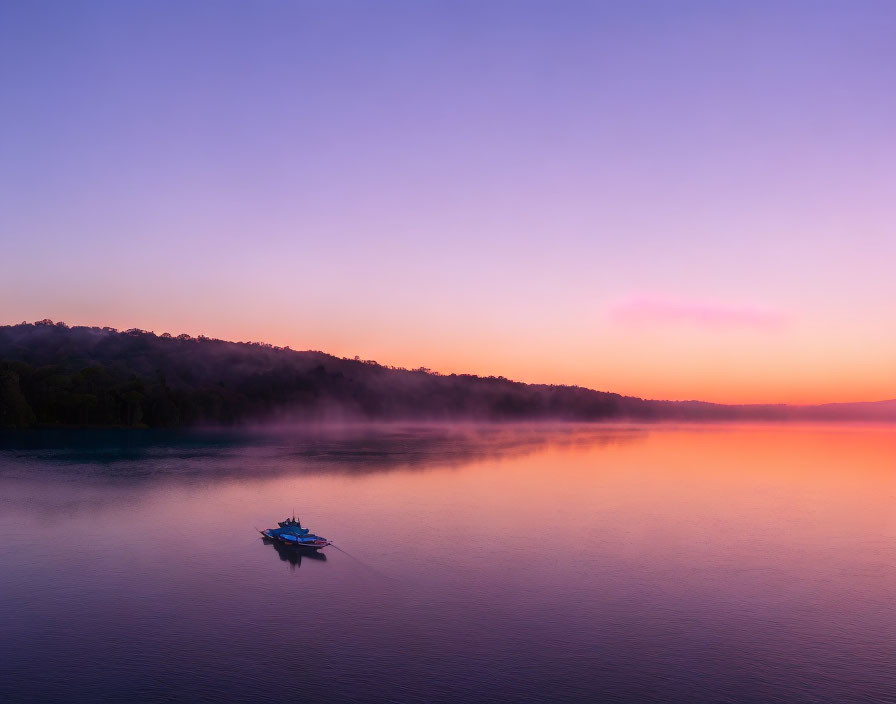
(311, 545)
(304, 546)
(316, 545)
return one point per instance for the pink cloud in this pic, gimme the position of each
(646, 311)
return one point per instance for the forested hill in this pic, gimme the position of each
(53, 374)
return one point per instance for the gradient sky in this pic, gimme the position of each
(665, 199)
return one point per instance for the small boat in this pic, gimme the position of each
(290, 532)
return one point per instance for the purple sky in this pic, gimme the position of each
(482, 186)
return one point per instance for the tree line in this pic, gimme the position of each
(53, 374)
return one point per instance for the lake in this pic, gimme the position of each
(477, 564)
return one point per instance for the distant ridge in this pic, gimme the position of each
(52, 374)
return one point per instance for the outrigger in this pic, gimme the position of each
(290, 532)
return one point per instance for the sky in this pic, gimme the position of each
(677, 200)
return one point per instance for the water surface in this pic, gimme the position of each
(492, 564)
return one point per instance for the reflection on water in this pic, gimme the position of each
(293, 555)
(496, 563)
(343, 449)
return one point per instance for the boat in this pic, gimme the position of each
(290, 532)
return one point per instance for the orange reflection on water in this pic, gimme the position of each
(746, 495)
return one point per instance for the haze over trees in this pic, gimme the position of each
(52, 374)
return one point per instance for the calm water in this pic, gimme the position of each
(482, 565)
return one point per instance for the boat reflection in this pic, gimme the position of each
(293, 555)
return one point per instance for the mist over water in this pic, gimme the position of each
(492, 563)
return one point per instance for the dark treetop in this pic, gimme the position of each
(53, 374)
